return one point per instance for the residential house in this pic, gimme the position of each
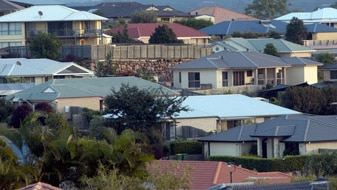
(205, 174)
(29, 3)
(143, 31)
(115, 11)
(284, 48)
(7, 7)
(72, 27)
(37, 71)
(329, 72)
(90, 93)
(218, 14)
(239, 71)
(297, 134)
(214, 113)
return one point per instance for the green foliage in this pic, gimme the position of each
(296, 31)
(195, 23)
(326, 58)
(311, 100)
(273, 34)
(247, 34)
(6, 110)
(45, 46)
(121, 37)
(163, 35)
(144, 75)
(270, 49)
(144, 16)
(188, 147)
(266, 9)
(19, 114)
(104, 69)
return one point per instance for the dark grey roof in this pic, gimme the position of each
(328, 67)
(293, 128)
(325, 84)
(9, 6)
(236, 134)
(299, 61)
(282, 186)
(223, 59)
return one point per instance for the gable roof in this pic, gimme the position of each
(15, 67)
(323, 15)
(205, 174)
(233, 60)
(293, 128)
(126, 9)
(220, 14)
(45, 13)
(236, 106)
(40, 186)
(84, 87)
(147, 29)
(258, 45)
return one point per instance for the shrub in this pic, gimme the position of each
(188, 147)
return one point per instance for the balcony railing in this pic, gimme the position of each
(66, 33)
(320, 44)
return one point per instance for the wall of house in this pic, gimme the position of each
(88, 102)
(313, 147)
(205, 124)
(206, 17)
(295, 75)
(296, 54)
(228, 149)
(310, 74)
(17, 39)
(324, 36)
(206, 77)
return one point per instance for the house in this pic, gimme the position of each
(205, 174)
(37, 71)
(239, 71)
(329, 72)
(143, 31)
(284, 48)
(71, 27)
(214, 113)
(29, 3)
(218, 14)
(298, 134)
(7, 7)
(115, 11)
(64, 94)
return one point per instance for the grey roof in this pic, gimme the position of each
(11, 88)
(328, 67)
(226, 60)
(126, 9)
(292, 128)
(258, 45)
(37, 2)
(298, 61)
(40, 67)
(46, 13)
(327, 15)
(84, 87)
(9, 6)
(231, 106)
(236, 134)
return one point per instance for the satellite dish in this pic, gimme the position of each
(18, 63)
(40, 13)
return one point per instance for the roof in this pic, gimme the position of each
(260, 27)
(84, 87)
(220, 14)
(45, 13)
(147, 29)
(259, 44)
(237, 106)
(7, 6)
(11, 88)
(233, 60)
(205, 174)
(298, 61)
(126, 9)
(40, 186)
(37, 2)
(15, 67)
(292, 128)
(328, 67)
(323, 15)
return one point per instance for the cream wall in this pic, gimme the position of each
(15, 38)
(312, 148)
(226, 149)
(310, 74)
(296, 54)
(206, 124)
(206, 77)
(88, 102)
(295, 75)
(324, 36)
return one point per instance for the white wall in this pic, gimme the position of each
(206, 124)
(206, 77)
(312, 148)
(310, 74)
(295, 75)
(226, 149)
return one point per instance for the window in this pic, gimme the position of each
(238, 78)
(10, 29)
(249, 73)
(9, 44)
(333, 74)
(193, 80)
(224, 78)
(179, 77)
(60, 28)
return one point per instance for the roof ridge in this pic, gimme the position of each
(217, 173)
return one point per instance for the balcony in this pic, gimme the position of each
(320, 44)
(67, 33)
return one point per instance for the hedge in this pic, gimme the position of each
(188, 147)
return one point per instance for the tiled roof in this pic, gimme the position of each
(45, 13)
(84, 87)
(220, 14)
(294, 128)
(238, 106)
(205, 174)
(147, 29)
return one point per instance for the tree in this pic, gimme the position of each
(273, 34)
(5, 110)
(19, 114)
(296, 31)
(163, 35)
(144, 16)
(270, 49)
(195, 23)
(122, 37)
(326, 58)
(266, 9)
(45, 46)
